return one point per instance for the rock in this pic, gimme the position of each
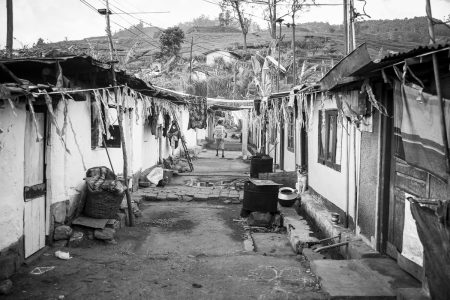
(62, 232)
(187, 198)
(104, 234)
(114, 224)
(111, 242)
(259, 219)
(278, 220)
(90, 234)
(76, 239)
(60, 243)
(196, 285)
(6, 287)
(121, 217)
(138, 214)
(134, 207)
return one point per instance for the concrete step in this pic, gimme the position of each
(369, 278)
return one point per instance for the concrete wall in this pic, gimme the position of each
(12, 174)
(327, 182)
(369, 182)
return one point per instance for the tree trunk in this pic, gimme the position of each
(274, 20)
(245, 41)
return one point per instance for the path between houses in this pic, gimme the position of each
(178, 250)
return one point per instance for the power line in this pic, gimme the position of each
(95, 10)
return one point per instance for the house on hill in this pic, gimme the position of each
(227, 56)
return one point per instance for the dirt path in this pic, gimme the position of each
(177, 251)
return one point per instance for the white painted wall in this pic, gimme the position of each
(12, 174)
(326, 181)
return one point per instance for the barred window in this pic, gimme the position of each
(330, 139)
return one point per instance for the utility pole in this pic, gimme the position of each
(9, 28)
(346, 26)
(352, 42)
(190, 61)
(120, 115)
(294, 67)
(437, 80)
(279, 55)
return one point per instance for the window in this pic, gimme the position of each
(290, 131)
(330, 136)
(97, 137)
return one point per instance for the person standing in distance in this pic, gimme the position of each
(219, 135)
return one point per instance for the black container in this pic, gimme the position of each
(260, 164)
(260, 198)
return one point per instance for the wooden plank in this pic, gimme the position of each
(411, 171)
(411, 267)
(41, 203)
(28, 234)
(411, 185)
(90, 222)
(399, 222)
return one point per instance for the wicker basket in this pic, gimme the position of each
(101, 204)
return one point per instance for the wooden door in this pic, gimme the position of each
(34, 185)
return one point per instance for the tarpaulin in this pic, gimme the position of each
(197, 113)
(418, 129)
(434, 233)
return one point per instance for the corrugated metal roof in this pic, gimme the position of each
(414, 52)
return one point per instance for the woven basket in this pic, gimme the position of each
(101, 204)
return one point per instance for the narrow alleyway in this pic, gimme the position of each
(191, 247)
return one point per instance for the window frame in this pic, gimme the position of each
(325, 157)
(291, 132)
(115, 131)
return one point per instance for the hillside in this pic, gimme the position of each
(319, 45)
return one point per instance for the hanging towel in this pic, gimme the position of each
(418, 129)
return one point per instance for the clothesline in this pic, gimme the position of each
(208, 99)
(75, 91)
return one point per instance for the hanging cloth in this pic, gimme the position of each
(197, 113)
(435, 237)
(418, 130)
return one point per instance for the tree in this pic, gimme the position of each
(239, 12)
(171, 40)
(270, 14)
(40, 42)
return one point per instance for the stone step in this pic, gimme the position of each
(370, 278)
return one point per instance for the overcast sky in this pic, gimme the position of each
(54, 20)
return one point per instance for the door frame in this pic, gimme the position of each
(386, 171)
(31, 193)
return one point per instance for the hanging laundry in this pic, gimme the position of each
(48, 101)
(33, 115)
(197, 113)
(166, 124)
(418, 131)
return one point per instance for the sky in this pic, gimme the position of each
(56, 20)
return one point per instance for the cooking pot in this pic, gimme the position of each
(287, 196)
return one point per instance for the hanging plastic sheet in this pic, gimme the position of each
(48, 101)
(33, 115)
(418, 130)
(433, 228)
